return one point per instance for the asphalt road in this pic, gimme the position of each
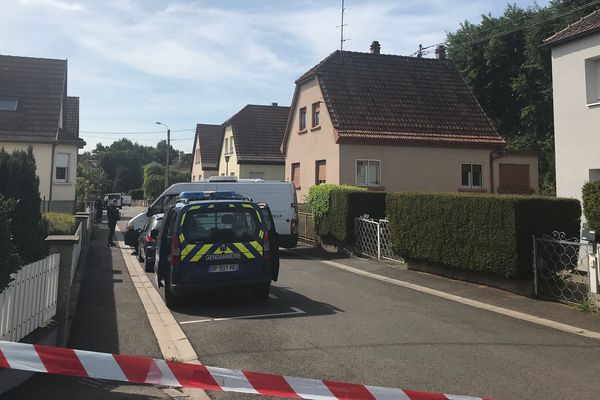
(328, 323)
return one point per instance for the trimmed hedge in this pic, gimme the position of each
(60, 223)
(487, 233)
(318, 198)
(137, 194)
(591, 204)
(344, 206)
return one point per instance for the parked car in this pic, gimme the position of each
(111, 197)
(212, 244)
(148, 241)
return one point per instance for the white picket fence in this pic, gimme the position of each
(30, 300)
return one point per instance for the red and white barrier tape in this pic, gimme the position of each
(116, 367)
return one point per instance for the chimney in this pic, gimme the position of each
(274, 104)
(440, 52)
(375, 47)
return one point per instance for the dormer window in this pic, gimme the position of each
(9, 103)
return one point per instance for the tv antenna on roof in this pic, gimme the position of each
(341, 26)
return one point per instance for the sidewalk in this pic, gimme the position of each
(496, 297)
(109, 318)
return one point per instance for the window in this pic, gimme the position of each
(9, 104)
(193, 178)
(61, 167)
(231, 145)
(368, 173)
(320, 172)
(302, 126)
(226, 145)
(296, 175)
(232, 174)
(315, 114)
(592, 78)
(197, 157)
(256, 175)
(471, 176)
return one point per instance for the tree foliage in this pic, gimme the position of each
(510, 74)
(9, 258)
(154, 179)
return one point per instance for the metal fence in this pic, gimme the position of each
(30, 299)
(561, 268)
(306, 227)
(372, 238)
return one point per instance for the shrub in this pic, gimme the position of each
(318, 197)
(18, 180)
(591, 204)
(344, 207)
(59, 223)
(9, 258)
(490, 233)
(137, 194)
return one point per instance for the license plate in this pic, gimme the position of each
(224, 268)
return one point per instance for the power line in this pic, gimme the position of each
(509, 31)
(136, 132)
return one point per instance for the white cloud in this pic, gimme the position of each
(56, 4)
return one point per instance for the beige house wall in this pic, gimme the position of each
(314, 144)
(43, 161)
(420, 169)
(207, 173)
(576, 124)
(529, 159)
(272, 172)
(233, 166)
(197, 172)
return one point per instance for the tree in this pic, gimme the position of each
(18, 180)
(9, 258)
(510, 73)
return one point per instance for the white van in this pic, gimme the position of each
(280, 196)
(126, 200)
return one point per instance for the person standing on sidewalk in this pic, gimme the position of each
(98, 210)
(113, 216)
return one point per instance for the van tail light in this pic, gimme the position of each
(174, 257)
(150, 239)
(294, 227)
(266, 246)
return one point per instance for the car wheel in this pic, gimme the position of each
(148, 267)
(262, 292)
(171, 299)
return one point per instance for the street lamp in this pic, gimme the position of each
(168, 151)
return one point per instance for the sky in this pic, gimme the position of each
(183, 62)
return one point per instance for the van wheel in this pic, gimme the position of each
(170, 299)
(262, 292)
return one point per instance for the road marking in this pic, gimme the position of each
(197, 321)
(469, 302)
(172, 341)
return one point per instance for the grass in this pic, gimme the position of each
(59, 223)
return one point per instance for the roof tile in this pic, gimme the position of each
(585, 26)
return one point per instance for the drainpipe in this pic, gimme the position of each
(51, 176)
(493, 155)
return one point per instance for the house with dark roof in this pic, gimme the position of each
(576, 97)
(206, 151)
(36, 111)
(393, 123)
(251, 142)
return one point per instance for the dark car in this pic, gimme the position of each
(148, 241)
(214, 244)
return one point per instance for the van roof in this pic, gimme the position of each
(191, 203)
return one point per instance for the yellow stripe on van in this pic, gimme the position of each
(241, 247)
(211, 206)
(247, 205)
(181, 238)
(261, 234)
(231, 205)
(219, 251)
(201, 252)
(259, 217)
(183, 219)
(186, 250)
(257, 246)
(195, 207)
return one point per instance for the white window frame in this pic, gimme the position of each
(68, 167)
(368, 160)
(470, 186)
(592, 81)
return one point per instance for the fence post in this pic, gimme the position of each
(378, 241)
(535, 281)
(63, 245)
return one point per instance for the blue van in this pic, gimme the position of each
(211, 244)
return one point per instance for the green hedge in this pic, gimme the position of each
(591, 204)
(318, 197)
(137, 194)
(59, 223)
(488, 233)
(344, 207)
